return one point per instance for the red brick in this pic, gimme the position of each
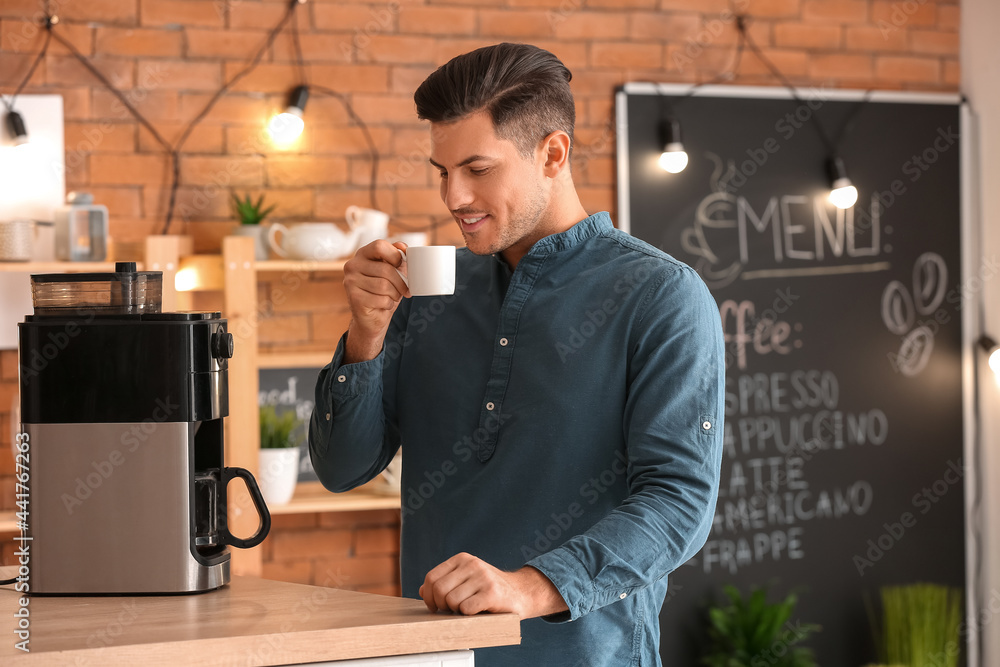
(908, 69)
(191, 202)
(360, 20)
(8, 366)
(185, 13)
(203, 138)
(154, 105)
(598, 171)
(581, 24)
(102, 11)
(67, 70)
(231, 170)
(897, 14)
(331, 204)
(348, 140)
(840, 66)
(316, 48)
(807, 35)
(176, 75)
(706, 6)
(298, 171)
(299, 544)
(839, 11)
(109, 169)
(397, 49)
(19, 9)
(231, 44)
(929, 41)
(28, 37)
(99, 137)
(351, 573)
(426, 201)
(265, 78)
(445, 48)
(770, 8)
(138, 42)
(870, 38)
(77, 170)
(617, 4)
(686, 59)
(597, 199)
(355, 78)
(631, 54)
(393, 172)
(572, 54)
(437, 21)
(514, 23)
(385, 108)
(952, 73)
(563, 6)
(790, 63)
(14, 67)
(407, 79)
(948, 17)
(229, 109)
(296, 572)
(76, 102)
(121, 201)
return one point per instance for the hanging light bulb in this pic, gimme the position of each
(843, 194)
(673, 158)
(993, 350)
(15, 123)
(286, 126)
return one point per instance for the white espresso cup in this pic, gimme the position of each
(369, 223)
(428, 270)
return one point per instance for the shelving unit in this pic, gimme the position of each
(234, 272)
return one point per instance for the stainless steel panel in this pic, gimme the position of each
(110, 510)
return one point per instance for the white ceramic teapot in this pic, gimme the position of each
(312, 240)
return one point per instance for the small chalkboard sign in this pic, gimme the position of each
(292, 389)
(844, 466)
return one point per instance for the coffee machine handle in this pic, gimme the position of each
(258, 500)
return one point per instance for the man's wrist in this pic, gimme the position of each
(542, 598)
(359, 347)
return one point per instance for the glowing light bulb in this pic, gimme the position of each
(995, 360)
(286, 127)
(843, 194)
(673, 158)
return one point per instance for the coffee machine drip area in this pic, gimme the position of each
(122, 406)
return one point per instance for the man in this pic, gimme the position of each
(560, 415)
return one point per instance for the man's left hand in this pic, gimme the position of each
(469, 585)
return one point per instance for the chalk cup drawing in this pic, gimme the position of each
(901, 306)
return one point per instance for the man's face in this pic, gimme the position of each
(496, 195)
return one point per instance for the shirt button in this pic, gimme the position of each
(343, 378)
(490, 406)
(503, 342)
(623, 596)
(328, 416)
(706, 425)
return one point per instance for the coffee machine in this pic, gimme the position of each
(122, 406)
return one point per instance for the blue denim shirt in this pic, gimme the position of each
(567, 416)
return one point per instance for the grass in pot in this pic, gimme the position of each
(279, 455)
(251, 214)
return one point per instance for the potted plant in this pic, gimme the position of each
(919, 627)
(279, 455)
(251, 215)
(747, 633)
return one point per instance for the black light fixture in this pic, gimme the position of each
(992, 350)
(15, 123)
(286, 126)
(673, 158)
(843, 194)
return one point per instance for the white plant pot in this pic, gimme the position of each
(259, 235)
(279, 471)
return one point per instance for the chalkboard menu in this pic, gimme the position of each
(843, 468)
(292, 389)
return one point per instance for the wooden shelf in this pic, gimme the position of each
(60, 267)
(312, 497)
(300, 265)
(8, 524)
(294, 359)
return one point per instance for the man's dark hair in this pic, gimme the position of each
(524, 88)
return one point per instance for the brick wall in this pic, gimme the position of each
(169, 56)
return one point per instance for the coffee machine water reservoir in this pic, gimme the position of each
(123, 408)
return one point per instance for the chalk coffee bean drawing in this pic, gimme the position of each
(900, 309)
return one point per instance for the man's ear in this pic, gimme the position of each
(554, 151)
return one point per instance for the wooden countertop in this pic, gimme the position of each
(249, 622)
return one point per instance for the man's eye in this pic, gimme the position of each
(478, 172)
(443, 174)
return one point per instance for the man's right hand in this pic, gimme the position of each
(374, 291)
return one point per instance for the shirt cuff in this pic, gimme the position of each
(570, 578)
(355, 379)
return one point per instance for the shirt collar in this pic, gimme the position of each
(592, 226)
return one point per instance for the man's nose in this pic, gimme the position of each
(456, 193)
